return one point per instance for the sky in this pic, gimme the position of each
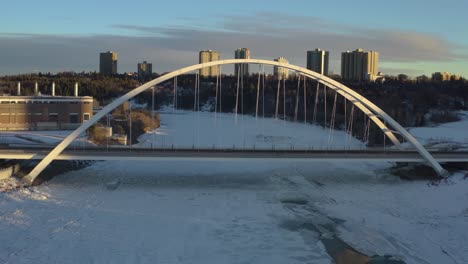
(412, 36)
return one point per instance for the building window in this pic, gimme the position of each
(74, 118)
(86, 117)
(53, 117)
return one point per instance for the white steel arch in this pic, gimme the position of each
(370, 109)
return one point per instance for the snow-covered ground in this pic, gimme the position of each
(52, 137)
(233, 211)
(185, 129)
(452, 136)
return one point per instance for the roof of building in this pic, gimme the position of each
(45, 97)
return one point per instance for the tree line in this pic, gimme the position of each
(411, 103)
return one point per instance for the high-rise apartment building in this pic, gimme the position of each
(242, 53)
(145, 71)
(108, 63)
(372, 65)
(207, 56)
(281, 72)
(317, 61)
(359, 65)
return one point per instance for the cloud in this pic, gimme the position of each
(268, 36)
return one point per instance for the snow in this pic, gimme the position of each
(451, 136)
(416, 221)
(52, 137)
(234, 211)
(153, 216)
(184, 129)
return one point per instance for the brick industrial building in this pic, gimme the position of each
(44, 112)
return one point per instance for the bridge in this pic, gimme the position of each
(390, 128)
(126, 153)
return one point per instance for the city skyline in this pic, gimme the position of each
(409, 41)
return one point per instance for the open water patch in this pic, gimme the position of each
(297, 201)
(325, 227)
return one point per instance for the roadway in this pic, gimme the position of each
(126, 153)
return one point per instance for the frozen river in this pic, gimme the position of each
(234, 212)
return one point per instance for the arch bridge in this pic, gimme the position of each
(383, 121)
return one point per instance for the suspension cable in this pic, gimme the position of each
(194, 108)
(277, 98)
(237, 94)
(176, 118)
(107, 131)
(174, 97)
(384, 136)
(284, 99)
(242, 90)
(216, 107)
(258, 99)
(174, 105)
(296, 109)
(332, 121)
(345, 114)
(198, 93)
(305, 101)
(130, 114)
(350, 125)
(325, 103)
(314, 117)
(152, 116)
(216, 96)
(242, 104)
(263, 92)
(195, 94)
(258, 92)
(220, 90)
(220, 95)
(263, 103)
(368, 130)
(364, 126)
(198, 112)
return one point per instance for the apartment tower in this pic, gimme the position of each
(145, 71)
(242, 53)
(317, 61)
(281, 72)
(108, 63)
(359, 65)
(207, 56)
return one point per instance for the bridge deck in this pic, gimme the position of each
(125, 153)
